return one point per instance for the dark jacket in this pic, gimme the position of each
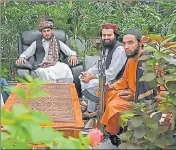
(143, 90)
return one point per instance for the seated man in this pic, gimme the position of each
(115, 65)
(127, 88)
(5, 91)
(46, 50)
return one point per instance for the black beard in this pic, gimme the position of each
(133, 54)
(48, 38)
(109, 44)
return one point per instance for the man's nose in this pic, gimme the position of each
(126, 46)
(106, 37)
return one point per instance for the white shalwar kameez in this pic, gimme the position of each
(60, 72)
(118, 60)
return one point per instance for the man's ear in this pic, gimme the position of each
(141, 43)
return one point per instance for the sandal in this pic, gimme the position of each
(87, 115)
(83, 109)
(83, 103)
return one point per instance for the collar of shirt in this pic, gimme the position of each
(44, 40)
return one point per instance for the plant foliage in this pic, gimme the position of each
(145, 131)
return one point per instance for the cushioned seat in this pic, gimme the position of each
(25, 40)
(90, 61)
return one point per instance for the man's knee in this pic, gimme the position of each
(84, 85)
(118, 104)
(112, 104)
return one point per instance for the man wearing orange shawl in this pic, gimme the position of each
(124, 90)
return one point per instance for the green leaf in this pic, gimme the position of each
(6, 114)
(5, 136)
(151, 62)
(8, 144)
(51, 145)
(150, 76)
(150, 122)
(28, 77)
(170, 37)
(161, 142)
(70, 144)
(152, 84)
(23, 128)
(156, 116)
(173, 110)
(84, 140)
(156, 38)
(158, 55)
(126, 136)
(151, 136)
(165, 92)
(23, 145)
(160, 81)
(123, 146)
(42, 135)
(127, 115)
(170, 77)
(123, 122)
(145, 57)
(21, 80)
(36, 83)
(169, 135)
(39, 82)
(11, 129)
(139, 132)
(142, 79)
(162, 66)
(136, 121)
(150, 49)
(22, 134)
(174, 102)
(38, 93)
(40, 117)
(20, 92)
(19, 109)
(160, 129)
(145, 66)
(171, 85)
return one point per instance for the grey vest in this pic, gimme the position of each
(40, 52)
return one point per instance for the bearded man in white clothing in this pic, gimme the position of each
(115, 64)
(46, 51)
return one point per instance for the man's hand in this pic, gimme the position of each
(127, 95)
(20, 61)
(109, 87)
(73, 60)
(85, 77)
(84, 74)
